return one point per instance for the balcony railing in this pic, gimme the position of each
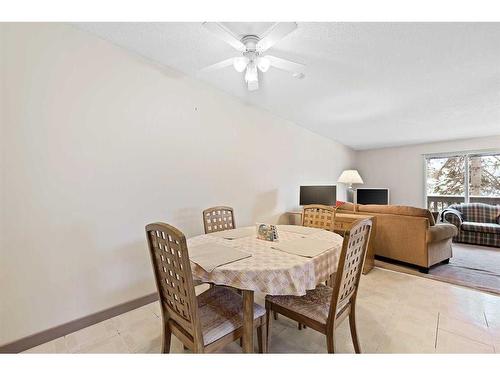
(437, 203)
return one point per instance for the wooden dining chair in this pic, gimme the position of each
(216, 219)
(324, 308)
(203, 323)
(318, 216)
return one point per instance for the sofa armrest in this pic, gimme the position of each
(453, 216)
(441, 232)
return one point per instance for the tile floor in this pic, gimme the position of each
(397, 313)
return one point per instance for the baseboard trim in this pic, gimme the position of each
(50, 334)
(398, 262)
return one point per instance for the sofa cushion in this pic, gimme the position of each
(478, 212)
(480, 227)
(441, 232)
(391, 210)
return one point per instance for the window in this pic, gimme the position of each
(484, 177)
(462, 177)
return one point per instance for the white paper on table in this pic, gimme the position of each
(306, 247)
(212, 255)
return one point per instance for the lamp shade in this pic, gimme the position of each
(350, 176)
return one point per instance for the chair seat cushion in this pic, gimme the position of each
(314, 305)
(481, 227)
(221, 312)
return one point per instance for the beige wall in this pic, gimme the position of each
(3, 252)
(401, 169)
(100, 142)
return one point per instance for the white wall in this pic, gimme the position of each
(401, 169)
(99, 142)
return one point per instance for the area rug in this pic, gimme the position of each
(472, 266)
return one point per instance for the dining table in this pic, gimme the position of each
(269, 270)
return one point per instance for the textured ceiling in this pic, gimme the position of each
(367, 85)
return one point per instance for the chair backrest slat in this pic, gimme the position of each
(350, 267)
(219, 218)
(174, 280)
(318, 216)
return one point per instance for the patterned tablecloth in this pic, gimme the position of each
(268, 270)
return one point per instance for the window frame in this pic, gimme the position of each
(467, 154)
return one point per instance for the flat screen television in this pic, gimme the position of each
(326, 195)
(372, 196)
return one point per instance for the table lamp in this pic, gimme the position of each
(351, 176)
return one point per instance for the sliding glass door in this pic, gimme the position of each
(461, 177)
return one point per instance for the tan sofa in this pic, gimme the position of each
(408, 234)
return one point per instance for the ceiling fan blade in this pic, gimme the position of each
(287, 65)
(278, 31)
(219, 65)
(225, 34)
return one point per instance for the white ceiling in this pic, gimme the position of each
(367, 85)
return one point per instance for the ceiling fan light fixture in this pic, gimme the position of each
(253, 86)
(263, 64)
(252, 48)
(251, 74)
(240, 63)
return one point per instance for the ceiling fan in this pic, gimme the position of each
(252, 50)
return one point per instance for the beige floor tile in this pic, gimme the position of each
(396, 313)
(448, 342)
(343, 340)
(135, 318)
(277, 326)
(492, 313)
(155, 308)
(408, 336)
(291, 340)
(416, 314)
(109, 345)
(396, 342)
(368, 338)
(234, 348)
(467, 329)
(142, 337)
(378, 299)
(462, 310)
(371, 326)
(90, 335)
(51, 347)
(176, 346)
(152, 347)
